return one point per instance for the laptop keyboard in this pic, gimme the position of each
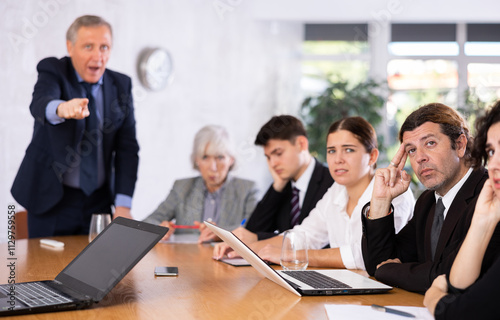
(316, 280)
(34, 294)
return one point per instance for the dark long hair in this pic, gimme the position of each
(483, 124)
(361, 129)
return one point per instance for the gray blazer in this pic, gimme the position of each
(185, 202)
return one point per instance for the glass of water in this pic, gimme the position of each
(98, 222)
(294, 250)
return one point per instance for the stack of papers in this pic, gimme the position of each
(237, 262)
(355, 312)
(182, 238)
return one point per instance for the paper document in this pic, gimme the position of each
(356, 312)
(182, 238)
(237, 262)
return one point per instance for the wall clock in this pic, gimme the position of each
(155, 68)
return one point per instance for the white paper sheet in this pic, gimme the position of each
(355, 312)
(182, 238)
(237, 262)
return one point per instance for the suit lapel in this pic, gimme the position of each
(286, 207)
(75, 92)
(456, 210)
(110, 93)
(428, 229)
(196, 202)
(227, 205)
(312, 188)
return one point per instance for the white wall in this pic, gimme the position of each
(229, 70)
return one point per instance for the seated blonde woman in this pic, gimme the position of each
(215, 195)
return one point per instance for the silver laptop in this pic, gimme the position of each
(90, 276)
(308, 282)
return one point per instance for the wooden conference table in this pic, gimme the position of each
(204, 289)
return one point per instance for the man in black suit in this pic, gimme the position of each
(436, 140)
(83, 156)
(286, 148)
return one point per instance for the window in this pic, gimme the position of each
(333, 52)
(483, 40)
(417, 82)
(483, 80)
(422, 68)
(334, 57)
(482, 49)
(481, 52)
(426, 65)
(453, 63)
(423, 40)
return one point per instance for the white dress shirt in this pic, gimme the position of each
(450, 195)
(329, 223)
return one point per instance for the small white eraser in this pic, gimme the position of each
(52, 243)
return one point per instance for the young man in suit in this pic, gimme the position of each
(83, 156)
(286, 148)
(436, 140)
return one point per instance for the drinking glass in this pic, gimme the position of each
(294, 251)
(98, 222)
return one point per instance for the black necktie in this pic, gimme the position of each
(437, 224)
(88, 147)
(295, 213)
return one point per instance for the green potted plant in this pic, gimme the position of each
(339, 100)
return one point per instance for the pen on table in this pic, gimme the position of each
(393, 311)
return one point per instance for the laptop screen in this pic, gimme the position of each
(107, 259)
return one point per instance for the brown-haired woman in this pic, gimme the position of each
(336, 220)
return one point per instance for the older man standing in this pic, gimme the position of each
(83, 156)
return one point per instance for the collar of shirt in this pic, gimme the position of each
(450, 195)
(94, 86)
(97, 93)
(219, 191)
(212, 203)
(303, 182)
(341, 198)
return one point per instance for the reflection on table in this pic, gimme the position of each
(204, 288)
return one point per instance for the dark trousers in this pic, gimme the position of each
(71, 216)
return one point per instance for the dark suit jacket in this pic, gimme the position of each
(273, 211)
(186, 200)
(53, 148)
(412, 244)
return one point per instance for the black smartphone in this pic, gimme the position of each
(166, 271)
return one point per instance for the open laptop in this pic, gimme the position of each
(321, 282)
(90, 276)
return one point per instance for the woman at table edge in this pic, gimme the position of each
(215, 195)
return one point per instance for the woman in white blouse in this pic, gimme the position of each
(336, 220)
